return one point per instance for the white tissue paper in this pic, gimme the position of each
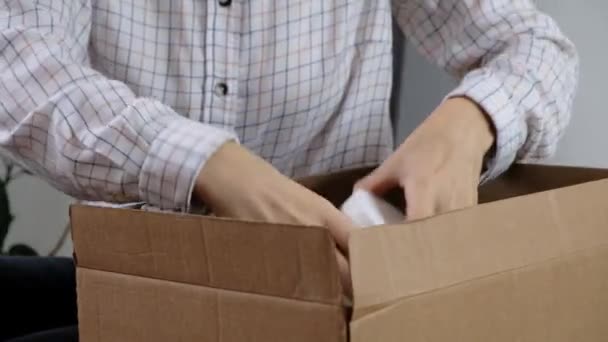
(366, 210)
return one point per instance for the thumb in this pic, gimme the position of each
(345, 277)
(378, 181)
(340, 227)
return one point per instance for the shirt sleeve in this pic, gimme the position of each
(89, 136)
(513, 61)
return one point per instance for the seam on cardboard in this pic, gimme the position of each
(216, 288)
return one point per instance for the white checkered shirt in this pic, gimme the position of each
(125, 100)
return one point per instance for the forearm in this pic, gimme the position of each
(527, 90)
(89, 136)
(516, 65)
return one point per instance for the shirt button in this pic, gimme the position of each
(221, 89)
(225, 3)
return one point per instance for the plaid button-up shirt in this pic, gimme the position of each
(125, 100)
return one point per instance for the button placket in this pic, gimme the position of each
(223, 25)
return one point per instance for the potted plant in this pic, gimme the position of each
(12, 172)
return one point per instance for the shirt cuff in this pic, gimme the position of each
(178, 151)
(510, 127)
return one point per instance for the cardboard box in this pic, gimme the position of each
(533, 267)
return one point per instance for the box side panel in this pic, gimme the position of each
(528, 179)
(116, 308)
(278, 260)
(563, 300)
(393, 262)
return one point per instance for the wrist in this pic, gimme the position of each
(468, 125)
(227, 170)
(216, 172)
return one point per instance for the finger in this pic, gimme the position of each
(419, 204)
(452, 204)
(340, 228)
(378, 181)
(456, 199)
(345, 278)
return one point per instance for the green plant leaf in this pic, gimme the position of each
(6, 218)
(22, 250)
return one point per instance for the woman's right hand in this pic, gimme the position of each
(236, 183)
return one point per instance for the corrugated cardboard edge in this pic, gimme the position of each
(234, 255)
(392, 263)
(524, 179)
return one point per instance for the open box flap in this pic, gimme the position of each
(271, 259)
(390, 263)
(564, 299)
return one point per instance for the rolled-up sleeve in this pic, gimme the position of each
(89, 136)
(513, 61)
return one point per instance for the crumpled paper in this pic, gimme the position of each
(367, 210)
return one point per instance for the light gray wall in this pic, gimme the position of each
(586, 23)
(41, 214)
(585, 142)
(422, 87)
